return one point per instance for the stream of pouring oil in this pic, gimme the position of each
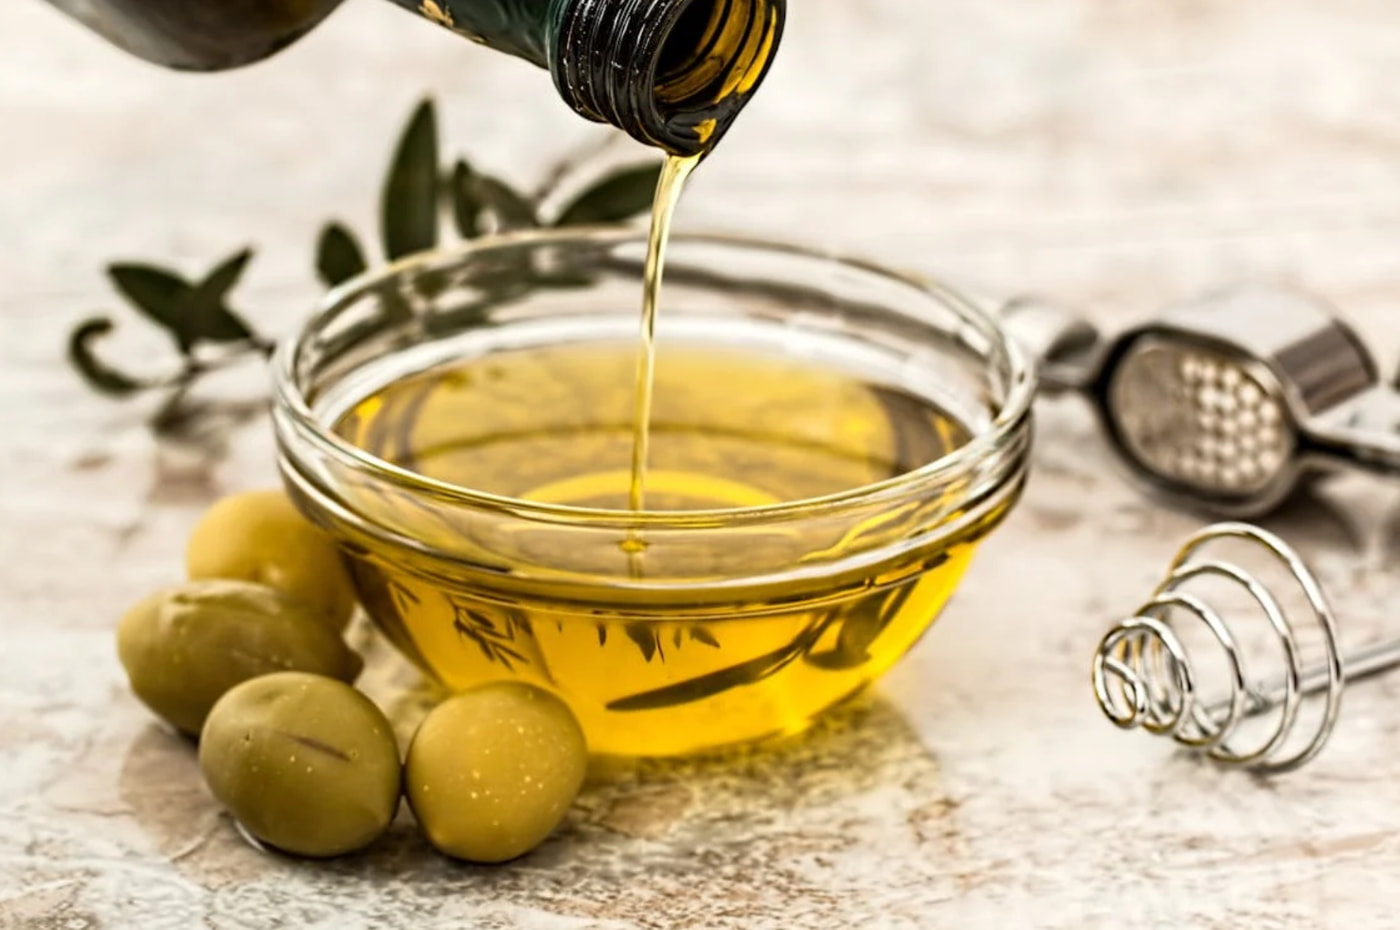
(674, 174)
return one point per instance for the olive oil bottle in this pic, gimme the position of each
(672, 73)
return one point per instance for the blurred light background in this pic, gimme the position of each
(1114, 153)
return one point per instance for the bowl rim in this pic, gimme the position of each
(1010, 421)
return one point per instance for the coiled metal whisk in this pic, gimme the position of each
(1144, 677)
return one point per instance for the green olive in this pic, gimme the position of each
(261, 536)
(306, 764)
(183, 647)
(492, 772)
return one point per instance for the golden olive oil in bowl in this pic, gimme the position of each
(828, 444)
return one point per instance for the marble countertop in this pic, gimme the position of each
(1116, 155)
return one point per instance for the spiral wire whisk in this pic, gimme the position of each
(1144, 676)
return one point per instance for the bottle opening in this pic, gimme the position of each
(699, 49)
(672, 73)
(711, 60)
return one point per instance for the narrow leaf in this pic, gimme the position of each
(157, 294)
(617, 197)
(725, 679)
(519, 624)
(227, 274)
(205, 314)
(96, 372)
(702, 635)
(409, 205)
(509, 209)
(338, 256)
(645, 639)
(861, 628)
(466, 208)
(708, 686)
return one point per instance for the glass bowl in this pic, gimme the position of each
(750, 616)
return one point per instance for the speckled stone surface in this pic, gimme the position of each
(1116, 155)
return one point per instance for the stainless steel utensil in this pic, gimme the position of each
(1144, 675)
(1227, 402)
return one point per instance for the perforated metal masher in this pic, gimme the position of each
(1228, 402)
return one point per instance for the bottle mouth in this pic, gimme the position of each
(671, 73)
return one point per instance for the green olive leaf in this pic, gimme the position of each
(735, 676)
(646, 639)
(101, 376)
(715, 683)
(496, 645)
(466, 207)
(477, 196)
(409, 206)
(339, 256)
(860, 627)
(508, 208)
(158, 295)
(618, 197)
(707, 686)
(204, 312)
(701, 635)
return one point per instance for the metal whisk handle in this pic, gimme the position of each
(1358, 666)
(1143, 675)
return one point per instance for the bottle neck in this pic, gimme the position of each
(671, 73)
(515, 27)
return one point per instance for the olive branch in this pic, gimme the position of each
(422, 203)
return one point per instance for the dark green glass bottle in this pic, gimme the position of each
(671, 73)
